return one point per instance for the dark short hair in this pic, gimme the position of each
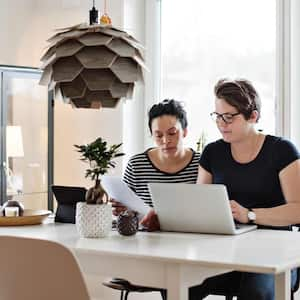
(168, 107)
(239, 93)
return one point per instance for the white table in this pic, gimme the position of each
(172, 260)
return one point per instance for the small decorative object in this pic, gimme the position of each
(92, 66)
(128, 223)
(201, 142)
(12, 211)
(94, 218)
(15, 212)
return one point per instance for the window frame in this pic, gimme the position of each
(282, 63)
(5, 72)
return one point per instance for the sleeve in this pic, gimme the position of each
(129, 177)
(287, 153)
(205, 158)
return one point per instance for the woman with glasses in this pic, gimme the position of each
(168, 162)
(262, 176)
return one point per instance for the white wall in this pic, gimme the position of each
(134, 109)
(25, 27)
(15, 19)
(27, 24)
(153, 60)
(142, 19)
(295, 72)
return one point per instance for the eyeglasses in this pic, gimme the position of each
(226, 117)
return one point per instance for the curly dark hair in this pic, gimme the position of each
(168, 107)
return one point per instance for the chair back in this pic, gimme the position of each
(33, 269)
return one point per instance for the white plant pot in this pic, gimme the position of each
(93, 220)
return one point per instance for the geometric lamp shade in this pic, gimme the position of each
(92, 66)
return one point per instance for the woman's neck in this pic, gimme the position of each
(176, 157)
(170, 163)
(248, 148)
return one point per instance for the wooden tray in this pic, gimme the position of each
(30, 217)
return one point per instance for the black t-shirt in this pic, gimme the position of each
(255, 184)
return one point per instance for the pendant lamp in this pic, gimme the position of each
(92, 66)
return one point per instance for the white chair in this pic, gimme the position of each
(33, 269)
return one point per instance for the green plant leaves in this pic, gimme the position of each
(99, 156)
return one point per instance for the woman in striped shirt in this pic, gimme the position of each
(168, 162)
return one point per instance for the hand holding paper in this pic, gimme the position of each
(119, 191)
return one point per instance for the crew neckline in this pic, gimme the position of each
(164, 172)
(254, 159)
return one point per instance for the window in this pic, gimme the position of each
(26, 143)
(203, 41)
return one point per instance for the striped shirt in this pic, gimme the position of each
(140, 171)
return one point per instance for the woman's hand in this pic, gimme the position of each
(150, 221)
(118, 208)
(239, 212)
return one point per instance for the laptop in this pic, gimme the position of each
(197, 208)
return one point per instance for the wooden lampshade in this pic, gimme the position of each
(92, 66)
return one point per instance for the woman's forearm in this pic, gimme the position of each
(282, 215)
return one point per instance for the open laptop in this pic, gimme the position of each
(198, 208)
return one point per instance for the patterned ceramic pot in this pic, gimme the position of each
(93, 220)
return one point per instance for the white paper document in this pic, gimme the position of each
(117, 189)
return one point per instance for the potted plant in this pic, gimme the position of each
(201, 142)
(93, 218)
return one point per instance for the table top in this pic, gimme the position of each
(267, 251)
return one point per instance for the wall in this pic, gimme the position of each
(15, 26)
(295, 72)
(134, 114)
(26, 25)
